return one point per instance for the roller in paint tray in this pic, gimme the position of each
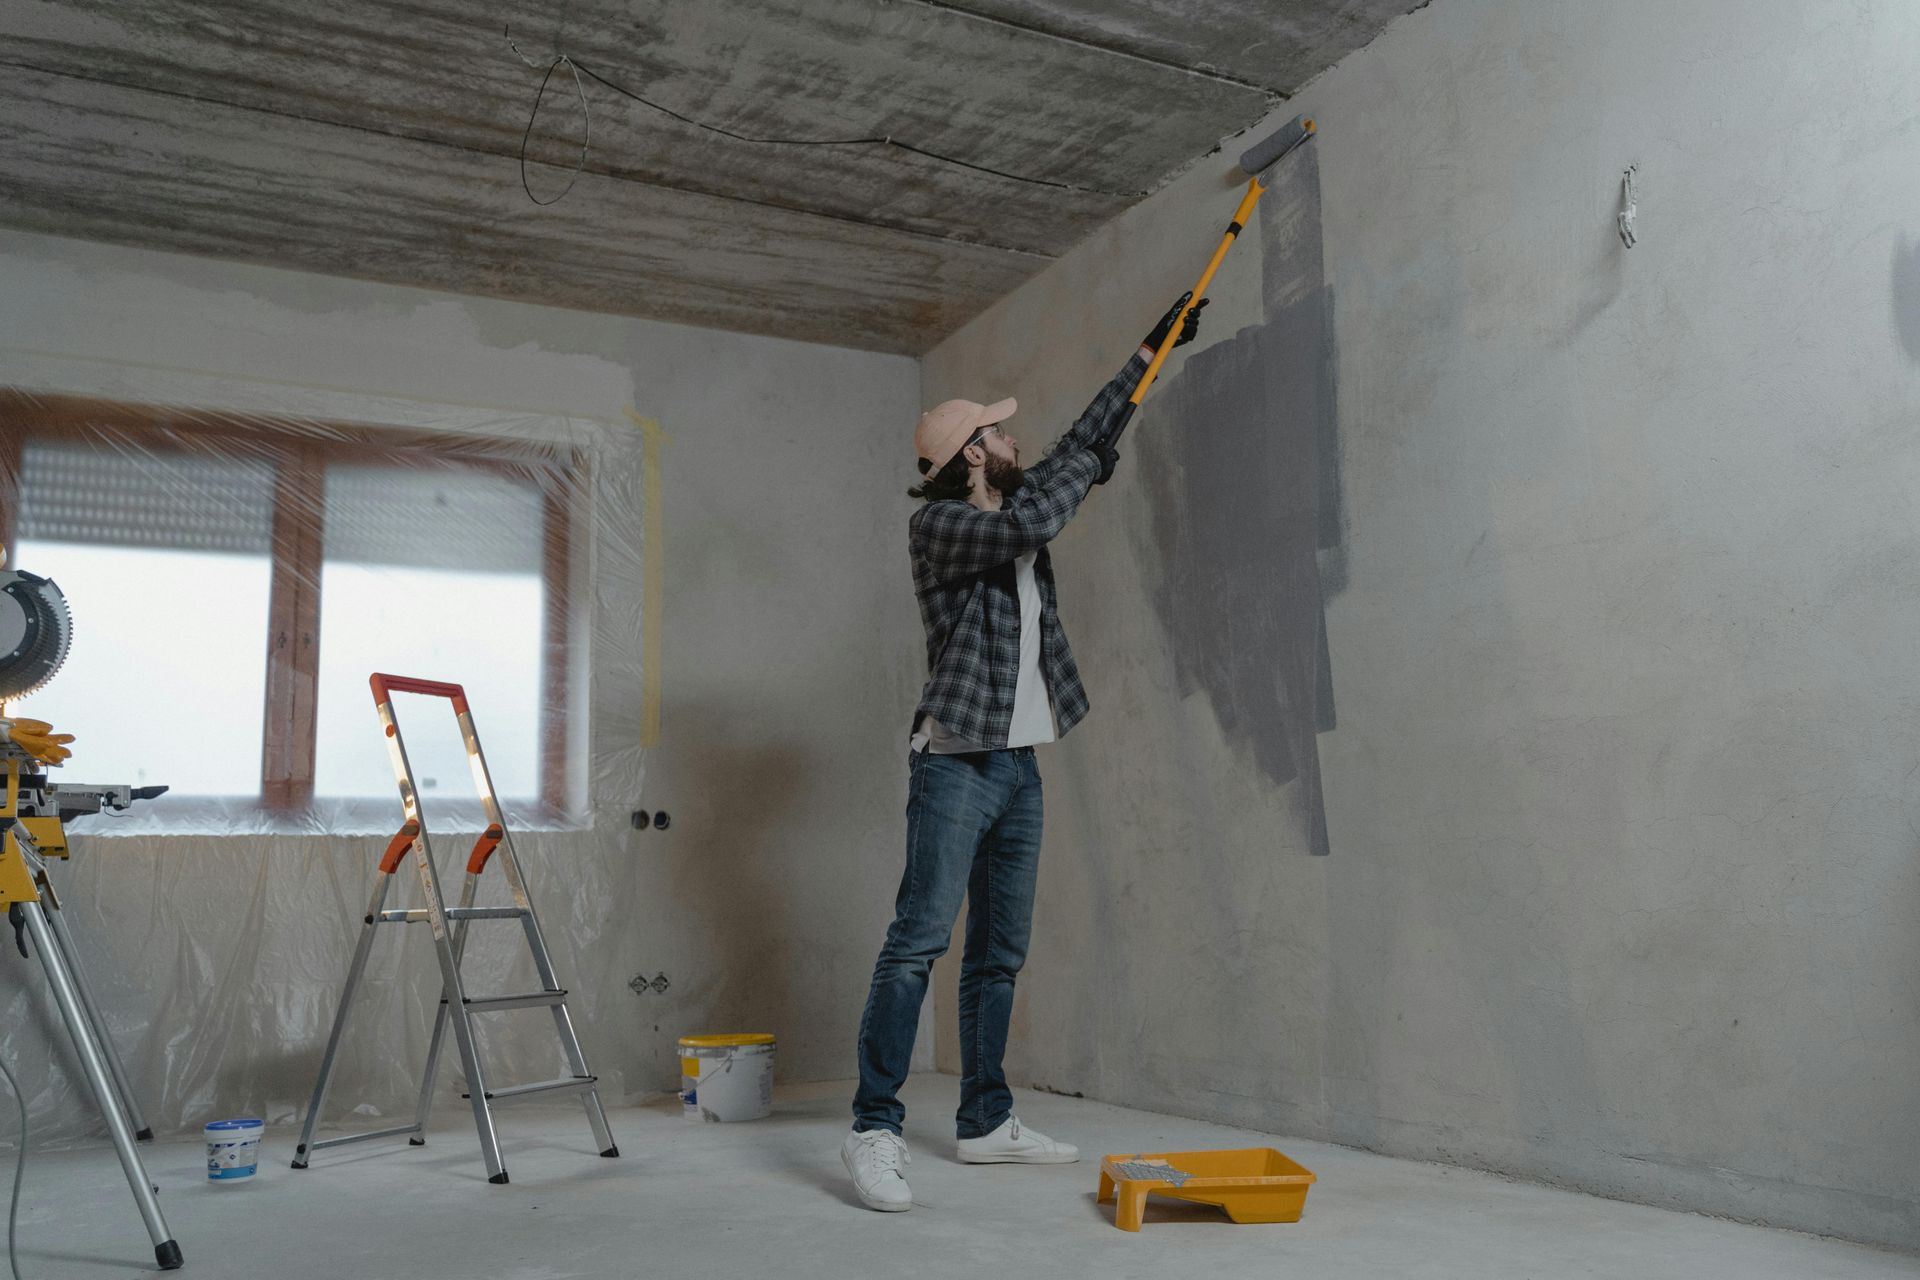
(1257, 162)
(726, 1077)
(1252, 1184)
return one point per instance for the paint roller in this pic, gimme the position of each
(1258, 161)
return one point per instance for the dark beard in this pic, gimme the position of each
(1005, 477)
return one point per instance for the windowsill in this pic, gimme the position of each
(204, 817)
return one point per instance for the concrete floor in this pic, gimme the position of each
(769, 1199)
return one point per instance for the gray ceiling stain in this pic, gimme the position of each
(380, 140)
(1243, 463)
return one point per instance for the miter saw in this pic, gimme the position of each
(36, 630)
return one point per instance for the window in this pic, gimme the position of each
(403, 590)
(234, 582)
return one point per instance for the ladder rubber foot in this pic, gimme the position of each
(499, 1179)
(168, 1256)
(299, 1164)
(611, 1152)
(145, 1135)
(416, 1141)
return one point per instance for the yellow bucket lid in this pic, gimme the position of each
(724, 1042)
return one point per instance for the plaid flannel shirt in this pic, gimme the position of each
(963, 575)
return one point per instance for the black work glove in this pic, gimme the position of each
(1189, 329)
(1109, 459)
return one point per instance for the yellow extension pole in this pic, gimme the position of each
(1257, 160)
(1240, 217)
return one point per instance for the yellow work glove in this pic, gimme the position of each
(37, 739)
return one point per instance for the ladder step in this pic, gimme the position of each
(572, 1084)
(533, 1000)
(418, 914)
(363, 1137)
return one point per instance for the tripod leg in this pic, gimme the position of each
(86, 1041)
(142, 1131)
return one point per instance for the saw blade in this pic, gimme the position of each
(41, 630)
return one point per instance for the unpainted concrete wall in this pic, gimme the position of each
(1623, 889)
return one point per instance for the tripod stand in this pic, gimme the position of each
(32, 829)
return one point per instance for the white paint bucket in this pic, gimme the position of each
(233, 1148)
(726, 1077)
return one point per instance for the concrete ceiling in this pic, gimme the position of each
(380, 139)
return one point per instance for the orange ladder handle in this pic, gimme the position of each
(384, 685)
(483, 848)
(476, 862)
(397, 847)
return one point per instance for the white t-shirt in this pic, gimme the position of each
(1032, 707)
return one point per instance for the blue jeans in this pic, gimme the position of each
(973, 831)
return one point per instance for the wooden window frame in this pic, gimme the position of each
(300, 451)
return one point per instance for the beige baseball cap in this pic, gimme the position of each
(945, 429)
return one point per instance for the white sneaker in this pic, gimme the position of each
(1014, 1143)
(874, 1158)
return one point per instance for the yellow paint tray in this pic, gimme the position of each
(1255, 1184)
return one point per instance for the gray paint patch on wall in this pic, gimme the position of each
(1906, 296)
(1242, 459)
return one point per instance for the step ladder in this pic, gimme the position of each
(449, 926)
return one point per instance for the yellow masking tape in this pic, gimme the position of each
(653, 588)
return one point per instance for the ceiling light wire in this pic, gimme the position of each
(885, 140)
(586, 116)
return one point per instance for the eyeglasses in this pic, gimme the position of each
(981, 434)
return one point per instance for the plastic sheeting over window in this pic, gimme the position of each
(167, 622)
(234, 580)
(81, 492)
(442, 518)
(435, 545)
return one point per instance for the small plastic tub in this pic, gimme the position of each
(233, 1149)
